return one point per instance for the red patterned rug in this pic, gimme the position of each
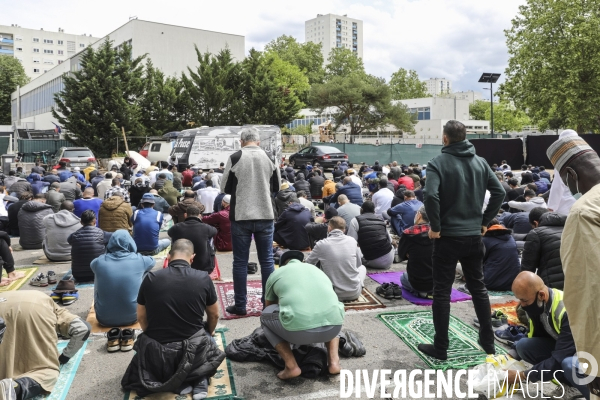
(226, 298)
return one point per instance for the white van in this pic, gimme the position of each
(160, 150)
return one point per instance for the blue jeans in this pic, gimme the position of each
(537, 349)
(162, 245)
(241, 238)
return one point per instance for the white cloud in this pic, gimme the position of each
(455, 39)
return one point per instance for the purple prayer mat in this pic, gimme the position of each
(394, 277)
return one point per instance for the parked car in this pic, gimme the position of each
(327, 156)
(144, 149)
(75, 157)
(159, 150)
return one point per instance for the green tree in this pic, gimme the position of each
(554, 64)
(506, 117)
(407, 85)
(362, 102)
(478, 108)
(306, 56)
(343, 62)
(102, 97)
(160, 108)
(212, 93)
(271, 89)
(12, 75)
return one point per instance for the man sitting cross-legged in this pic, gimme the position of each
(86, 243)
(340, 258)
(30, 363)
(118, 276)
(171, 307)
(146, 228)
(416, 247)
(301, 308)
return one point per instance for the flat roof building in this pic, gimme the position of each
(333, 31)
(38, 50)
(170, 47)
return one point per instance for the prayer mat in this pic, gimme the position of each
(495, 293)
(78, 285)
(394, 277)
(97, 328)
(44, 260)
(510, 309)
(415, 327)
(16, 285)
(67, 374)
(253, 304)
(221, 386)
(366, 301)
(166, 225)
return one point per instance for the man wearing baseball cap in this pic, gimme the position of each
(578, 166)
(146, 228)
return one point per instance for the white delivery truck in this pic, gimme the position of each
(207, 147)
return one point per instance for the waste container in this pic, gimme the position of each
(7, 161)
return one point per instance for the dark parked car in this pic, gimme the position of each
(327, 156)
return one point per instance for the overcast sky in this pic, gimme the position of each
(455, 39)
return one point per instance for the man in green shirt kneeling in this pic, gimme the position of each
(301, 308)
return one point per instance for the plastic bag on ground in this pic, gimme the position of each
(489, 378)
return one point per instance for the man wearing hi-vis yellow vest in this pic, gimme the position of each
(549, 345)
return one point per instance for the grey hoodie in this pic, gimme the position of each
(59, 227)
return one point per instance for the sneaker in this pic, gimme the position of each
(566, 392)
(200, 390)
(127, 339)
(393, 291)
(57, 297)
(382, 288)
(511, 334)
(463, 288)
(69, 298)
(113, 342)
(357, 346)
(51, 277)
(235, 311)
(41, 280)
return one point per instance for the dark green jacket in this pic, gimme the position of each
(455, 190)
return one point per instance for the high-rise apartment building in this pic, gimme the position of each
(335, 31)
(436, 86)
(40, 50)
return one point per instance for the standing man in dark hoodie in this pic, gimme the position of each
(456, 183)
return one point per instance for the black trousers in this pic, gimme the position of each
(6, 257)
(447, 251)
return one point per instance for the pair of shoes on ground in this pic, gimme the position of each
(66, 299)
(233, 310)
(498, 319)
(511, 335)
(199, 391)
(350, 345)
(463, 288)
(42, 280)
(389, 291)
(120, 339)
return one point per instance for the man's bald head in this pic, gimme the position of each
(347, 180)
(88, 193)
(182, 249)
(526, 287)
(342, 199)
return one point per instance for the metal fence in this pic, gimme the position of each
(386, 153)
(28, 146)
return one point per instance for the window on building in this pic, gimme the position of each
(81, 45)
(60, 52)
(423, 113)
(36, 40)
(48, 62)
(19, 49)
(60, 42)
(46, 51)
(49, 41)
(18, 38)
(36, 60)
(36, 70)
(36, 50)
(70, 46)
(60, 61)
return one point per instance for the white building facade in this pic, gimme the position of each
(437, 86)
(38, 50)
(171, 49)
(335, 31)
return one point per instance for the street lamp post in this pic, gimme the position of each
(490, 78)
